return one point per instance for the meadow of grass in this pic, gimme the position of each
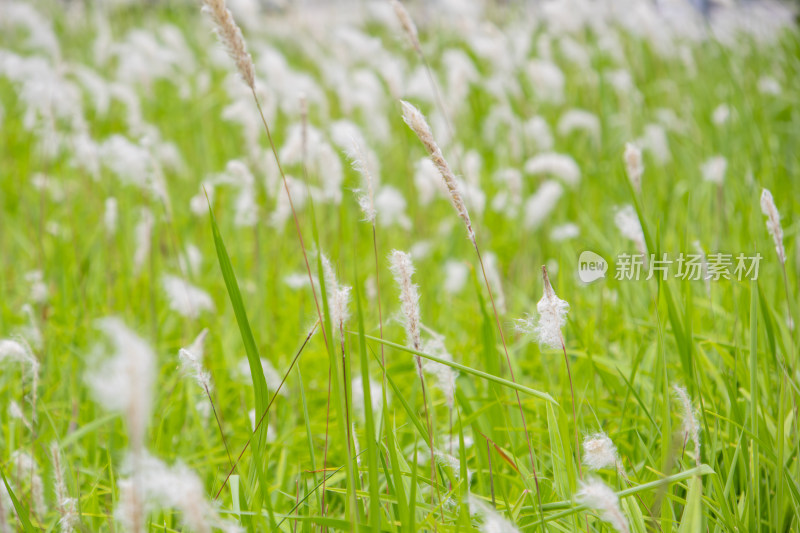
(166, 366)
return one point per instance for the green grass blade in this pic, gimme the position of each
(369, 422)
(755, 470)
(22, 511)
(468, 370)
(261, 393)
(692, 519)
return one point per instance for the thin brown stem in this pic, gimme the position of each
(792, 323)
(325, 453)
(434, 483)
(574, 416)
(378, 291)
(269, 405)
(219, 425)
(294, 216)
(296, 500)
(344, 385)
(513, 380)
(491, 475)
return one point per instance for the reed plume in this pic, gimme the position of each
(634, 166)
(407, 23)
(231, 38)
(773, 223)
(67, 506)
(403, 268)
(599, 452)
(416, 121)
(691, 427)
(597, 495)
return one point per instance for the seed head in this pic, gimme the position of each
(124, 382)
(597, 495)
(773, 223)
(599, 452)
(408, 24)
(552, 316)
(627, 221)
(366, 196)
(191, 359)
(416, 121)
(691, 428)
(634, 166)
(67, 506)
(231, 38)
(402, 268)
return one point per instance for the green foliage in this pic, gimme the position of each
(306, 468)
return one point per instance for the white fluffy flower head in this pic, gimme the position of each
(599, 452)
(634, 166)
(123, 383)
(184, 298)
(599, 496)
(191, 359)
(691, 427)
(552, 316)
(403, 268)
(773, 223)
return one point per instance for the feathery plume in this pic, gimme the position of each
(130, 505)
(579, 120)
(773, 223)
(597, 495)
(184, 298)
(552, 312)
(123, 383)
(142, 236)
(599, 452)
(38, 287)
(691, 428)
(30, 331)
(634, 166)
(67, 507)
(163, 486)
(24, 468)
(493, 522)
(714, 168)
(191, 359)
(339, 307)
(19, 351)
(561, 166)
(338, 296)
(15, 411)
(565, 232)
(366, 199)
(408, 24)
(111, 216)
(402, 268)
(540, 204)
(628, 223)
(231, 38)
(416, 121)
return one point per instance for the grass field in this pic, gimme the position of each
(166, 366)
